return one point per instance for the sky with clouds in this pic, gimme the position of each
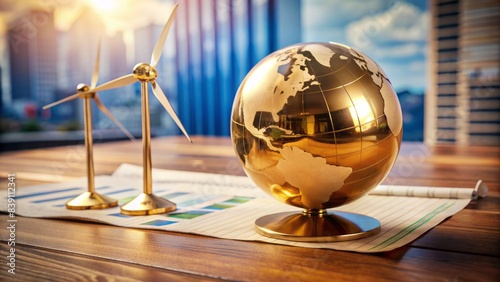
(392, 32)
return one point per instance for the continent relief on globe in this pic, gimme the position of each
(279, 112)
(298, 163)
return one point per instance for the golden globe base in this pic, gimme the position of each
(91, 200)
(317, 226)
(147, 204)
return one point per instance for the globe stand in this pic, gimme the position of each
(317, 226)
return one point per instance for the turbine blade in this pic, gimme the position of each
(155, 57)
(105, 110)
(119, 82)
(166, 104)
(69, 98)
(95, 75)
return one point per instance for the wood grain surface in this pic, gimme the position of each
(465, 247)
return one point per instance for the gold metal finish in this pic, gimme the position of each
(146, 203)
(82, 87)
(89, 144)
(89, 199)
(317, 226)
(146, 141)
(85, 92)
(144, 72)
(316, 126)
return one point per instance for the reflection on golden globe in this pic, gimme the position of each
(316, 125)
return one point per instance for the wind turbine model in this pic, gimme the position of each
(148, 203)
(91, 199)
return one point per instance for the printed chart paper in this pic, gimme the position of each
(227, 206)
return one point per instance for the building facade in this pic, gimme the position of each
(32, 56)
(463, 98)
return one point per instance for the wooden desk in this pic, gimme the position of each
(465, 247)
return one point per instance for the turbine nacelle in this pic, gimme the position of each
(82, 87)
(145, 72)
(85, 91)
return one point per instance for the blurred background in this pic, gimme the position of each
(442, 56)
